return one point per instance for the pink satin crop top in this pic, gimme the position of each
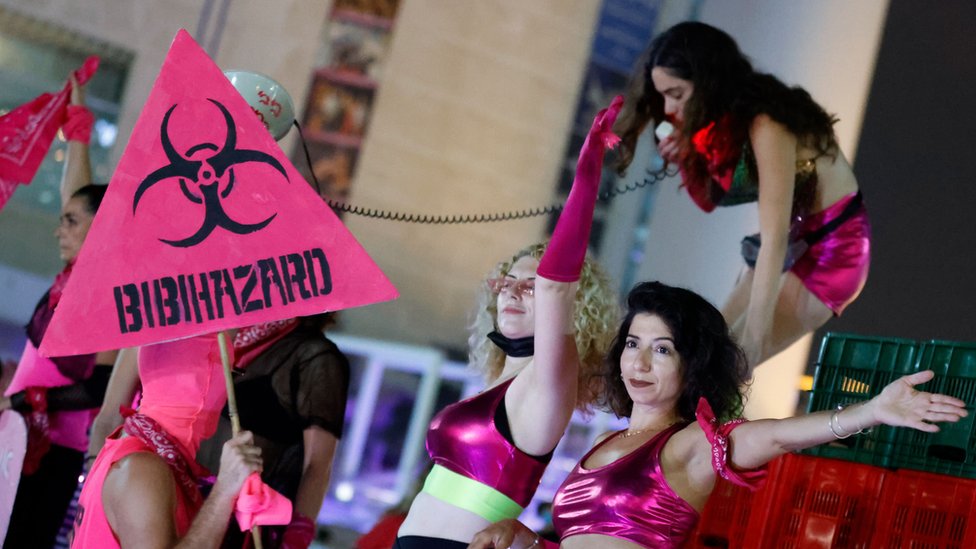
(630, 499)
(464, 439)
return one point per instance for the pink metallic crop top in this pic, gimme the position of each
(630, 499)
(464, 439)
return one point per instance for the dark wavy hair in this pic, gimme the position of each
(724, 83)
(713, 365)
(92, 195)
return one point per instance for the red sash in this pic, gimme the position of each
(185, 469)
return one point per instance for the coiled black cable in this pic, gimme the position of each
(458, 219)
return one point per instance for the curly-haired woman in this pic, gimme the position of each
(550, 313)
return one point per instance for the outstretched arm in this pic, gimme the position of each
(77, 165)
(900, 405)
(549, 386)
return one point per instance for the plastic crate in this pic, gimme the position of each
(926, 510)
(725, 519)
(814, 502)
(722, 522)
(952, 451)
(853, 368)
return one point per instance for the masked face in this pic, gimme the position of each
(516, 299)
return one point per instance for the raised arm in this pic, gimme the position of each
(544, 397)
(775, 150)
(899, 404)
(77, 130)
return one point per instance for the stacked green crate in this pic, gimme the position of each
(853, 368)
(951, 451)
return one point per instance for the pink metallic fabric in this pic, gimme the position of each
(463, 438)
(835, 268)
(630, 499)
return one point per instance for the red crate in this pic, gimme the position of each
(812, 502)
(724, 521)
(926, 510)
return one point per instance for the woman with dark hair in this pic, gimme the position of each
(292, 383)
(743, 136)
(675, 371)
(58, 396)
(550, 312)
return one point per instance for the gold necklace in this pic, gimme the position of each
(628, 433)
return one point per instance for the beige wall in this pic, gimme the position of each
(279, 42)
(472, 115)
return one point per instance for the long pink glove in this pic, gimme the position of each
(258, 504)
(563, 258)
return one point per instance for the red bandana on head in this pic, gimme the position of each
(26, 132)
(250, 342)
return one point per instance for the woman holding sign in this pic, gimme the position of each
(58, 396)
(552, 313)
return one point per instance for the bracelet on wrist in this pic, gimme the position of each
(837, 429)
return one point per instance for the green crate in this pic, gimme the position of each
(951, 451)
(853, 368)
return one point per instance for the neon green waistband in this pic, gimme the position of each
(471, 495)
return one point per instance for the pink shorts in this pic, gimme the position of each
(836, 267)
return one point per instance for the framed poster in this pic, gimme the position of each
(355, 42)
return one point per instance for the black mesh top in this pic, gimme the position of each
(300, 381)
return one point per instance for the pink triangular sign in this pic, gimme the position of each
(206, 226)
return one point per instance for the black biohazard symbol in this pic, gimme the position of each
(201, 173)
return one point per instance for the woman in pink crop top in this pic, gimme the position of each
(675, 371)
(553, 313)
(744, 136)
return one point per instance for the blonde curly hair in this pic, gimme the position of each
(596, 315)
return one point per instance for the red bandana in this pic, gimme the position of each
(714, 144)
(57, 288)
(27, 131)
(38, 430)
(250, 342)
(7, 189)
(154, 436)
